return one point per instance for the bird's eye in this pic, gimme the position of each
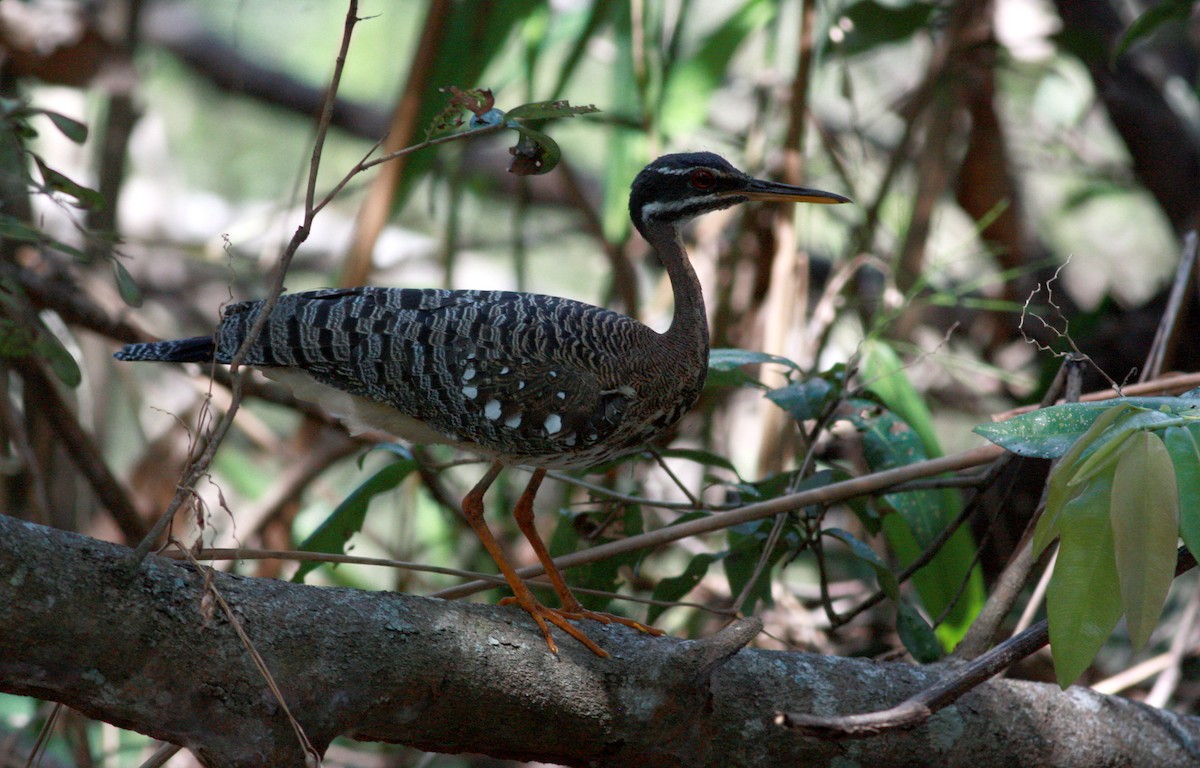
(702, 178)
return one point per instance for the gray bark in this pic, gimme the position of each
(145, 650)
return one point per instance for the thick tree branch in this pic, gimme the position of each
(139, 652)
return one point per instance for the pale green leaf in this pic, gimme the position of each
(1145, 526)
(131, 292)
(723, 359)
(1083, 601)
(1107, 446)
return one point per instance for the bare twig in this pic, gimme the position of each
(1170, 317)
(199, 467)
(917, 709)
(829, 494)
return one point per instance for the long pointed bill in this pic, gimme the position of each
(774, 192)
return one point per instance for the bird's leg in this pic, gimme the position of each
(472, 508)
(571, 607)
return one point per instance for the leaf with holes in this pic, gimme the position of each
(1145, 526)
(1083, 601)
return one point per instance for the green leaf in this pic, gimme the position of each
(805, 399)
(57, 182)
(1060, 489)
(707, 458)
(72, 129)
(12, 229)
(889, 442)
(918, 637)
(882, 371)
(347, 519)
(1166, 11)
(535, 152)
(747, 543)
(1145, 527)
(548, 110)
(690, 85)
(1083, 601)
(887, 579)
(130, 292)
(724, 367)
(673, 588)
(1048, 433)
(1106, 447)
(61, 361)
(1184, 446)
(725, 359)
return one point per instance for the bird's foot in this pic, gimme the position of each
(561, 618)
(542, 614)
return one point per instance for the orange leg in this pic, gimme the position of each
(472, 507)
(571, 608)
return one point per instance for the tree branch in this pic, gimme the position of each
(136, 650)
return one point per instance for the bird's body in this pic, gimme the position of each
(522, 378)
(534, 380)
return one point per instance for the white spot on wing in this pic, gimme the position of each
(471, 392)
(469, 373)
(561, 395)
(512, 422)
(553, 424)
(492, 409)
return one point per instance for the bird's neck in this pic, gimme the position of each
(689, 325)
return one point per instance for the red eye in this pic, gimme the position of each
(702, 178)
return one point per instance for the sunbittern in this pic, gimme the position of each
(525, 379)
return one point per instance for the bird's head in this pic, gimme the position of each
(679, 187)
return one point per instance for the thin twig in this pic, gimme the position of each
(829, 494)
(1169, 322)
(200, 466)
(959, 680)
(1164, 687)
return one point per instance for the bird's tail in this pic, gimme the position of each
(198, 349)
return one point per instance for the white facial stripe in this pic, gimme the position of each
(653, 210)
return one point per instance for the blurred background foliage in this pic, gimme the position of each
(987, 144)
